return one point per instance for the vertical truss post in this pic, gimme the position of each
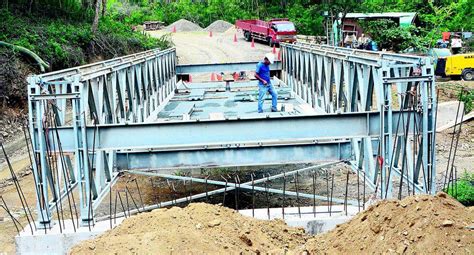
(82, 165)
(386, 87)
(35, 114)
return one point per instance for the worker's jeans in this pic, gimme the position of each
(262, 91)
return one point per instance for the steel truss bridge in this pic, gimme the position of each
(372, 110)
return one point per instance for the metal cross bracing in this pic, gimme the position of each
(92, 122)
(342, 80)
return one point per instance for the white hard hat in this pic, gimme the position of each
(270, 57)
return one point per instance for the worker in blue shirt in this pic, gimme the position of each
(264, 84)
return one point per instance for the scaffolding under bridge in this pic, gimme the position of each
(141, 114)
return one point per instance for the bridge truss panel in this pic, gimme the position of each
(341, 80)
(118, 91)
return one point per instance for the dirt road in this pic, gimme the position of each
(200, 48)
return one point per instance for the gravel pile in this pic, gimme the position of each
(219, 26)
(183, 25)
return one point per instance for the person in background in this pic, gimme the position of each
(456, 44)
(350, 40)
(362, 41)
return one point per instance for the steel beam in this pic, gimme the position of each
(235, 156)
(223, 134)
(223, 67)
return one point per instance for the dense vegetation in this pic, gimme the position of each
(435, 16)
(67, 42)
(63, 36)
(463, 189)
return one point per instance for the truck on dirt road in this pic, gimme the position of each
(272, 32)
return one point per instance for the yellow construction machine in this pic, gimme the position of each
(456, 66)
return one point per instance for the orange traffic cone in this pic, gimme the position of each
(213, 77)
(210, 33)
(235, 37)
(274, 49)
(174, 29)
(253, 43)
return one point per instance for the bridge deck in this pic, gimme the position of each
(212, 100)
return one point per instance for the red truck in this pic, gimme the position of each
(271, 32)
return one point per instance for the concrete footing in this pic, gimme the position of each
(313, 221)
(55, 242)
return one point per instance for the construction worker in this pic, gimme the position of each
(264, 84)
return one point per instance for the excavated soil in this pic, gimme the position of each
(183, 25)
(419, 224)
(415, 225)
(219, 26)
(199, 229)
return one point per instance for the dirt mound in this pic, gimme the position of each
(219, 26)
(209, 229)
(183, 25)
(419, 224)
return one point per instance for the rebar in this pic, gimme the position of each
(266, 195)
(332, 190)
(14, 220)
(133, 200)
(139, 193)
(110, 205)
(55, 170)
(452, 142)
(297, 194)
(70, 195)
(49, 163)
(456, 147)
(284, 195)
(128, 204)
(185, 191)
(236, 193)
(205, 185)
(19, 191)
(363, 195)
(346, 193)
(253, 195)
(225, 190)
(358, 189)
(121, 204)
(327, 190)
